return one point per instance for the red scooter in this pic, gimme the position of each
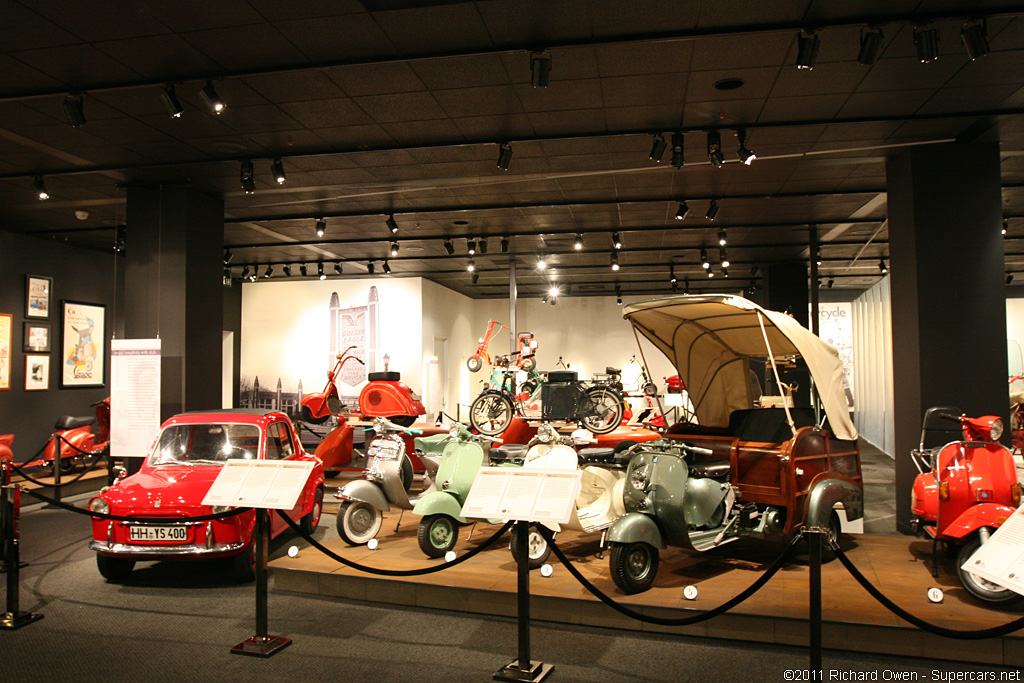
(965, 490)
(476, 361)
(73, 439)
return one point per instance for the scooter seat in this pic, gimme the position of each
(711, 469)
(596, 455)
(612, 371)
(69, 422)
(509, 452)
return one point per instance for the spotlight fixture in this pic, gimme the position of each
(74, 111)
(270, 271)
(871, 38)
(807, 50)
(277, 171)
(677, 150)
(387, 267)
(658, 148)
(1006, 225)
(303, 271)
(615, 261)
(504, 245)
(712, 210)
(540, 69)
(370, 268)
(245, 272)
(553, 291)
(504, 156)
(471, 265)
(715, 155)
(577, 242)
(541, 263)
(40, 188)
(618, 294)
(675, 287)
(321, 227)
(1009, 278)
(831, 281)
(449, 247)
(247, 180)
(745, 155)
(338, 269)
(725, 270)
(753, 271)
(683, 211)
(882, 267)
(212, 99)
(722, 238)
(471, 247)
(226, 277)
(394, 248)
(926, 39)
(686, 285)
(817, 255)
(723, 258)
(974, 35)
(705, 264)
(170, 101)
(227, 256)
(672, 274)
(476, 277)
(255, 275)
(710, 272)
(616, 241)
(320, 270)
(483, 245)
(392, 225)
(287, 270)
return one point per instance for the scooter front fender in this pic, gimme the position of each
(365, 492)
(634, 527)
(336, 448)
(440, 503)
(977, 516)
(825, 493)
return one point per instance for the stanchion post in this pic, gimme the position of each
(56, 468)
(262, 644)
(523, 668)
(6, 461)
(815, 538)
(13, 618)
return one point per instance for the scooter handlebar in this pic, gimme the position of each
(697, 450)
(488, 438)
(409, 430)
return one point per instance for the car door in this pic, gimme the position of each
(281, 447)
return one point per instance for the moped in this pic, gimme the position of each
(73, 439)
(965, 490)
(476, 361)
(441, 509)
(386, 481)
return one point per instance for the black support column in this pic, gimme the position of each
(948, 291)
(173, 290)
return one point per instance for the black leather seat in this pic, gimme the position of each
(767, 425)
(599, 455)
(710, 468)
(69, 422)
(509, 452)
(612, 371)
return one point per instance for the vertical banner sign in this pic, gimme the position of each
(134, 396)
(835, 326)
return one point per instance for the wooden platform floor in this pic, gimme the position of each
(898, 565)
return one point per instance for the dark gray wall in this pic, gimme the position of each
(78, 275)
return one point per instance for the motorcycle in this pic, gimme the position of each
(386, 481)
(441, 509)
(73, 439)
(965, 490)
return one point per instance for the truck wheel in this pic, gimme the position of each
(358, 522)
(537, 549)
(310, 522)
(114, 568)
(633, 566)
(474, 363)
(985, 591)
(437, 535)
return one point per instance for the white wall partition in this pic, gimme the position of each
(872, 350)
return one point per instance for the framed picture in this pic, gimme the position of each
(5, 351)
(83, 344)
(37, 372)
(37, 296)
(36, 338)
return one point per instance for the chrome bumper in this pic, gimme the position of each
(164, 550)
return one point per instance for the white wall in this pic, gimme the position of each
(872, 351)
(450, 315)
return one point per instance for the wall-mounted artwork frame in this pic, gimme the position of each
(83, 344)
(36, 338)
(37, 296)
(37, 372)
(5, 351)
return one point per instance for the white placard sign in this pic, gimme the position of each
(274, 484)
(1001, 560)
(134, 396)
(526, 494)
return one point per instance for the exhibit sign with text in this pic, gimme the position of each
(272, 484)
(1001, 559)
(523, 494)
(134, 396)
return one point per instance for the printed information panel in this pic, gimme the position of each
(523, 494)
(273, 484)
(134, 396)
(1001, 560)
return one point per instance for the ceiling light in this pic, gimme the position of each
(212, 99)
(245, 272)
(715, 155)
(303, 271)
(683, 211)
(287, 270)
(394, 248)
(74, 111)
(449, 247)
(871, 38)
(392, 225)
(817, 255)
(540, 69)
(483, 245)
(704, 258)
(228, 256)
(615, 261)
(471, 265)
(504, 245)
(255, 275)
(672, 274)
(658, 148)
(476, 276)
(725, 270)
(553, 291)
(577, 242)
(504, 156)
(974, 35)
(170, 101)
(618, 294)
(248, 182)
(270, 271)
(370, 267)
(723, 258)
(882, 267)
(745, 155)
(320, 271)
(321, 227)
(926, 38)
(722, 238)
(541, 263)
(277, 171)
(710, 272)
(471, 247)
(677, 150)
(1006, 225)
(831, 281)
(616, 241)
(807, 50)
(387, 267)
(40, 188)
(712, 210)
(338, 269)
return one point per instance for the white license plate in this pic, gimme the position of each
(177, 534)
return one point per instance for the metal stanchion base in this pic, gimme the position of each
(261, 647)
(537, 671)
(13, 620)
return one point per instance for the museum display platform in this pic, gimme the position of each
(899, 566)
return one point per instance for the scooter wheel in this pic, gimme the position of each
(358, 522)
(437, 534)
(537, 549)
(633, 566)
(474, 363)
(986, 591)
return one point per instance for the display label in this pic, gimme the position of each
(1001, 560)
(134, 396)
(272, 484)
(523, 494)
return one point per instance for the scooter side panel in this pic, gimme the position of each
(978, 515)
(636, 527)
(703, 496)
(336, 447)
(365, 492)
(459, 465)
(440, 503)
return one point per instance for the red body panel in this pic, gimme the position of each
(316, 402)
(6, 444)
(386, 399)
(625, 433)
(336, 448)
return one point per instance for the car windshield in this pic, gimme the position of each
(205, 444)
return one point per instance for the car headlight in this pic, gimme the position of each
(100, 505)
(217, 509)
(995, 429)
(639, 479)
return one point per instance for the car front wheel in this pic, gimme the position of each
(310, 522)
(114, 568)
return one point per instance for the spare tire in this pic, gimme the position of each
(562, 376)
(389, 376)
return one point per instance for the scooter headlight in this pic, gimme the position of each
(639, 479)
(546, 433)
(454, 431)
(995, 429)
(100, 505)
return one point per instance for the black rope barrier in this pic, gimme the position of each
(85, 471)
(681, 621)
(394, 572)
(979, 634)
(141, 520)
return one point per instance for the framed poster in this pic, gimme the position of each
(83, 344)
(36, 338)
(37, 296)
(37, 372)
(5, 351)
